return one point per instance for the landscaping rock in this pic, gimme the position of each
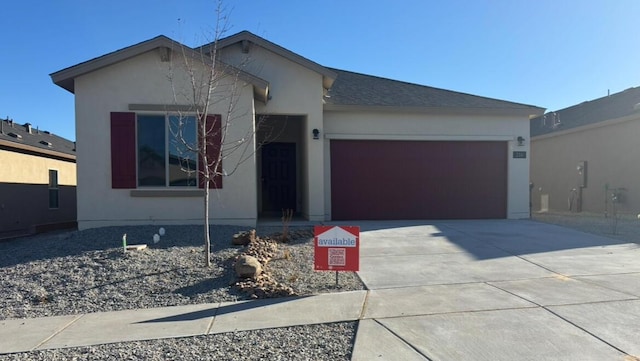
(244, 238)
(248, 267)
(264, 286)
(263, 249)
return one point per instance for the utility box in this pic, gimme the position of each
(582, 174)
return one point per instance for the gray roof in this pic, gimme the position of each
(613, 106)
(16, 135)
(346, 89)
(354, 89)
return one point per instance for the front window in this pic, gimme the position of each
(167, 154)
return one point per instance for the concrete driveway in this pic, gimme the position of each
(496, 290)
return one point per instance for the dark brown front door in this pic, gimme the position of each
(278, 177)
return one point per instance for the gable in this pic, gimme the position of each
(166, 49)
(293, 88)
(246, 41)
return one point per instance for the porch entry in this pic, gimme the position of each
(278, 178)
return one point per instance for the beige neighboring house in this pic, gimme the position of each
(348, 146)
(37, 180)
(585, 158)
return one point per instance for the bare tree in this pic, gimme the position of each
(199, 79)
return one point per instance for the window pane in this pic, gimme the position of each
(151, 150)
(54, 198)
(183, 157)
(53, 178)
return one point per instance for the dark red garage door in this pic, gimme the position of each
(377, 179)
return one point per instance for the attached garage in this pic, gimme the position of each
(388, 179)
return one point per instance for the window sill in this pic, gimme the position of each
(167, 193)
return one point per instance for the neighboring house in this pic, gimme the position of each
(585, 157)
(37, 180)
(349, 146)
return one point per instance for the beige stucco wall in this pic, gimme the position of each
(144, 80)
(29, 169)
(425, 127)
(294, 90)
(611, 153)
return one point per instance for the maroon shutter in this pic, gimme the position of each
(123, 150)
(214, 142)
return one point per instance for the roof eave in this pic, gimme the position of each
(19, 146)
(65, 77)
(581, 128)
(530, 112)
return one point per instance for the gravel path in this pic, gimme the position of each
(87, 271)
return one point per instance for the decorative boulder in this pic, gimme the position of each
(244, 238)
(248, 267)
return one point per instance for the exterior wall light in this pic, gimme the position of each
(316, 133)
(520, 140)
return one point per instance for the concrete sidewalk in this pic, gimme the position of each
(459, 290)
(179, 321)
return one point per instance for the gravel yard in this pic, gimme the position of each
(312, 342)
(80, 272)
(625, 227)
(87, 271)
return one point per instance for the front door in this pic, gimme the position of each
(278, 177)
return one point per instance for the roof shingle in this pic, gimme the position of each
(19, 134)
(365, 90)
(609, 107)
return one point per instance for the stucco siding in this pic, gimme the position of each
(144, 80)
(611, 153)
(24, 186)
(294, 90)
(29, 169)
(433, 127)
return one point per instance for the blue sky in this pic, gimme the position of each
(549, 53)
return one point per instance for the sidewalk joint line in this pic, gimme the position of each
(403, 340)
(213, 319)
(56, 333)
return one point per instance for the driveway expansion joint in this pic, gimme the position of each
(364, 305)
(587, 331)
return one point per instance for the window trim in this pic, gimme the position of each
(166, 193)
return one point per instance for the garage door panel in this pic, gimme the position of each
(418, 180)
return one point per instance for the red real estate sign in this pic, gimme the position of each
(337, 248)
